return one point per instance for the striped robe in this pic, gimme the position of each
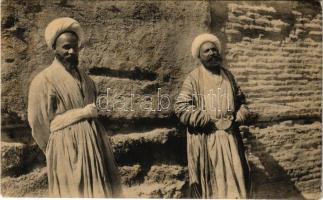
(216, 158)
(79, 156)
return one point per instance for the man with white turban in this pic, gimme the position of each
(63, 119)
(212, 106)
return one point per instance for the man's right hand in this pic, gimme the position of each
(90, 111)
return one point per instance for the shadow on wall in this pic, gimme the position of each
(269, 180)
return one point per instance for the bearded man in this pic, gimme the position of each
(212, 106)
(63, 119)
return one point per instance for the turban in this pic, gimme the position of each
(62, 25)
(200, 39)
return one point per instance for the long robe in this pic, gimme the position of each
(79, 157)
(216, 158)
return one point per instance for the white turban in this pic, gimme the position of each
(200, 39)
(61, 25)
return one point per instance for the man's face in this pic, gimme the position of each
(67, 49)
(210, 56)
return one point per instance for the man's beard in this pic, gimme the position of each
(70, 61)
(213, 64)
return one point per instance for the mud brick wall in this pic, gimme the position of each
(277, 63)
(274, 49)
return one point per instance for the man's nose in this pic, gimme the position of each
(214, 53)
(211, 53)
(71, 51)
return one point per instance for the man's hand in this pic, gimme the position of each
(90, 111)
(242, 114)
(224, 123)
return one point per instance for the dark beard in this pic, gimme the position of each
(69, 62)
(73, 61)
(213, 64)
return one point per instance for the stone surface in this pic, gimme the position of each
(164, 173)
(11, 157)
(158, 145)
(34, 184)
(173, 185)
(131, 175)
(162, 181)
(289, 158)
(18, 159)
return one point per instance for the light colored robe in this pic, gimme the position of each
(216, 159)
(79, 157)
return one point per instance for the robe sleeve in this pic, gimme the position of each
(186, 108)
(72, 116)
(41, 108)
(243, 110)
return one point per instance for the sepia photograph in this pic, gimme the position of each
(199, 99)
